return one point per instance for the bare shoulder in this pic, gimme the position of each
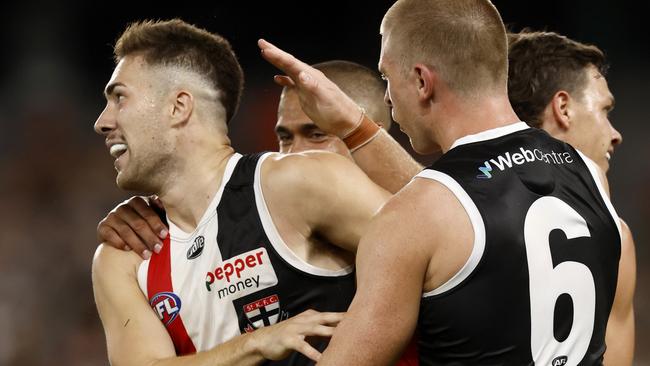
(109, 261)
(628, 249)
(625, 230)
(307, 172)
(427, 199)
(291, 166)
(428, 216)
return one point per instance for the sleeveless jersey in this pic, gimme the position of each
(539, 284)
(234, 273)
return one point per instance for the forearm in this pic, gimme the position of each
(385, 161)
(620, 341)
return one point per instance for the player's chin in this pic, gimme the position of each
(126, 182)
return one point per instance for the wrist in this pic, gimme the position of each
(364, 132)
(252, 345)
(349, 124)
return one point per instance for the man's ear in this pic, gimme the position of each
(182, 107)
(561, 105)
(427, 81)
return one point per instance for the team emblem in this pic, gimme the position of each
(167, 306)
(197, 248)
(559, 361)
(263, 312)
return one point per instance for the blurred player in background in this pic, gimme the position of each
(559, 85)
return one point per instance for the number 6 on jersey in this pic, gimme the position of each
(547, 283)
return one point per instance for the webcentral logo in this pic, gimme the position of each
(506, 160)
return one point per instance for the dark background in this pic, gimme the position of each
(57, 179)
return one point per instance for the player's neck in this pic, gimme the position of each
(193, 187)
(475, 116)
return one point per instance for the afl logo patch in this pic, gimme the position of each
(167, 305)
(559, 361)
(197, 248)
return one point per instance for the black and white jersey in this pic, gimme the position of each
(234, 273)
(539, 284)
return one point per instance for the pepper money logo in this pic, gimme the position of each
(505, 161)
(241, 275)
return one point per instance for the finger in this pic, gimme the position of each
(281, 59)
(307, 350)
(283, 80)
(107, 235)
(138, 224)
(330, 318)
(131, 239)
(150, 216)
(318, 330)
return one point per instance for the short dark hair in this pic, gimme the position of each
(543, 63)
(177, 43)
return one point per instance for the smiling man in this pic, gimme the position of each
(251, 248)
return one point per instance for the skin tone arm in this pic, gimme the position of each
(619, 336)
(403, 248)
(620, 326)
(135, 336)
(320, 193)
(383, 159)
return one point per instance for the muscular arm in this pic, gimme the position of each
(395, 262)
(383, 159)
(386, 162)
(135, 336)
(619, 335)
(321, 193)
(620, 326)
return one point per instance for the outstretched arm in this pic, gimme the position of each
(135, 336)
(379, 155)
(620, 326)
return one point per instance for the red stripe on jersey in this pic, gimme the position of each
(159, 279)
(410, 355)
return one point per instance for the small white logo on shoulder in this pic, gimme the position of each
(242, 275)
(559, 361)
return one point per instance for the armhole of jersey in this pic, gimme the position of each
(477, 223)
(143, 271)
(276, 240)
(593, 169)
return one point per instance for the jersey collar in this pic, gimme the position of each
(490, 134)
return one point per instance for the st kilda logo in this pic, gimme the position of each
(197, 248)
(167, 306)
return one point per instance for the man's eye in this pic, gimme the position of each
(318, 135)
(284, 139)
